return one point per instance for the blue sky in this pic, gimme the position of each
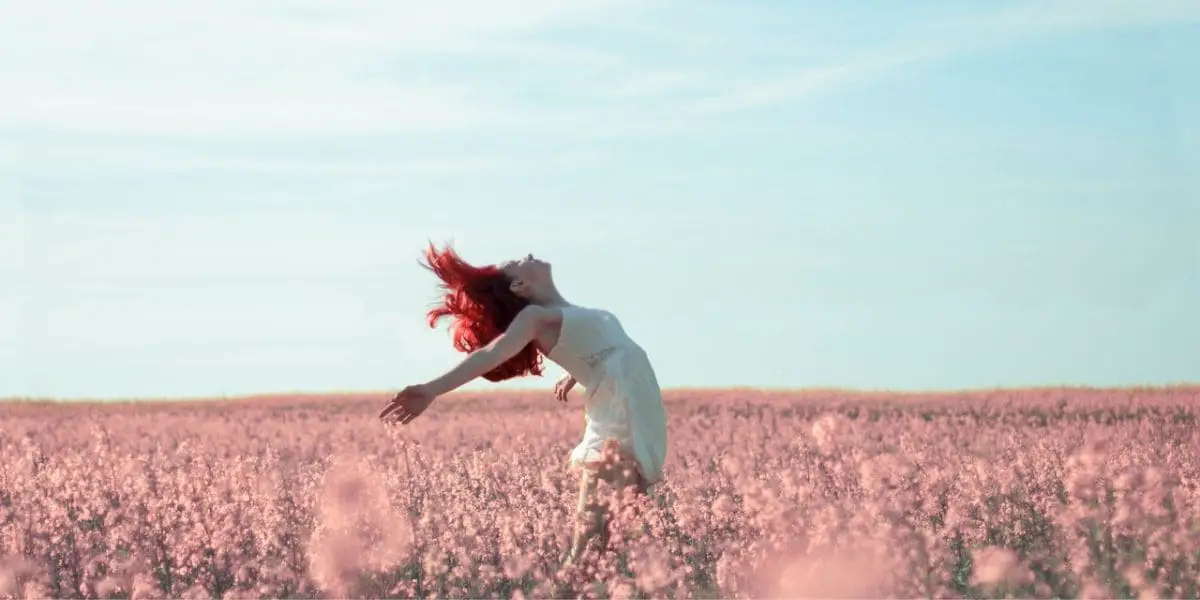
(227, 197)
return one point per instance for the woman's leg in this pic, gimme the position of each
(588, 514)
(619, 470)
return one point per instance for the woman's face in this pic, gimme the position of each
(525, 272)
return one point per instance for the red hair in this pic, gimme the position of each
(481, 305)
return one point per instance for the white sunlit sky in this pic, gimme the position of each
(229, 197)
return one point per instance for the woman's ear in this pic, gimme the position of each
(517, 287)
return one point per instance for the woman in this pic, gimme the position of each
(507, 317)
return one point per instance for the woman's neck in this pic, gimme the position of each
(550, 298)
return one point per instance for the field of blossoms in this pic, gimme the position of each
(1040, 493)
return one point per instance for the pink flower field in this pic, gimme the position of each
(1040, 493)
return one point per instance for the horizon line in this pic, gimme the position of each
(851, 390)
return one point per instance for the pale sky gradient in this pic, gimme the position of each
(228, 197)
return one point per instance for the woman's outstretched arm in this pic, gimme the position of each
(519, 334)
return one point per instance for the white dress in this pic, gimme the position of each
(623, 400)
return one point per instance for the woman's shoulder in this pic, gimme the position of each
(542, 314)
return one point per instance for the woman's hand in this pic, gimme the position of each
(564, 385)
(408, 404)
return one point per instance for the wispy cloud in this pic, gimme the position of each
(799, 83)
(266, 69)
(1058, 16)
(653, 83)
(84, 156)
(322, 69)
(940, 40)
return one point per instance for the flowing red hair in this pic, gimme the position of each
(481, 305)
